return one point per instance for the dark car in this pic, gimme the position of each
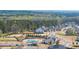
(57, 47)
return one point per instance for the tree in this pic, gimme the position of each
(15, 28)
(70, 31)
(2, 26)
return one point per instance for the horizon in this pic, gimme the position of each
(68, 13)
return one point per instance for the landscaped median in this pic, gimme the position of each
(7, 39)
(7, 42)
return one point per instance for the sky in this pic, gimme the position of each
(39, 4)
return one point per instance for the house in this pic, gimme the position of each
(50, 39)
(40, 30)
(77, 29)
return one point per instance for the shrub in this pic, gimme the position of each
(70, 32)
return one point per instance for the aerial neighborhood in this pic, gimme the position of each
(29, 29)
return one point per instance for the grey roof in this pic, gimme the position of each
(39, 30)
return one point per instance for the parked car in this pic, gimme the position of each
(57, 47)
(32, 44)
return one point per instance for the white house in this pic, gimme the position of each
(40, 30)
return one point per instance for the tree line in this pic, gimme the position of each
(24, 25)
(21, 23)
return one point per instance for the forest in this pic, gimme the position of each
(30, 22)
(20, 23)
